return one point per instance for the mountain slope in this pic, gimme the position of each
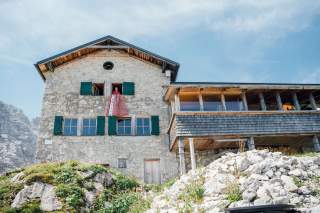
(17, 138)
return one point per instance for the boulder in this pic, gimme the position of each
(17, 178)
(49, 201)
(89, 197)
(104, 178)
(249, 195)
(288, 183)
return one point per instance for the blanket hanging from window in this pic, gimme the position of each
(116, 105)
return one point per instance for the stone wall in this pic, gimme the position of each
(62, 98)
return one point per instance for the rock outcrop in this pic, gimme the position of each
(245, 179)
(17, 138)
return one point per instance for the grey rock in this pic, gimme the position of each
(49, 201)
(20, 199)
(295, 172)
(243, 164)
(262, 201)
(249, 195)
(288, 183)
(281, 200)
(104, 178)
(89, 197)
(304, 190)
(17, 178)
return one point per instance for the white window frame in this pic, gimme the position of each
(71, 126)
(83, 126)
(143, 125)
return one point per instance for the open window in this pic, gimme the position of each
(98, 89)
(118, 86)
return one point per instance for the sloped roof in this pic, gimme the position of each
(107, 42)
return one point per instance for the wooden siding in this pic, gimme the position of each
(246, 124)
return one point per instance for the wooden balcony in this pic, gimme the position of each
(242, 124)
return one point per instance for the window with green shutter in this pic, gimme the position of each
(128, 88)
(86, 88)
(57, 129)
(112, 125)
(101, 120)
(155, 127)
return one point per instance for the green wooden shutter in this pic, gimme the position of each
(101, 120)
(57, 129)
(86, 88)
(128, 88)
(155, 128)
(112, 125)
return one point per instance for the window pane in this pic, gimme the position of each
(143, 126)
(189, 103)
(212, 103)
(124, 127)
(70, 127)
(233, 103)
(89, 127)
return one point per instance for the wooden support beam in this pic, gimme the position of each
(177, 102)
(108, 47)
(262, 102)
(201, 101)
(192, 154)
(296, 101)
(250, 144)
(50, 66)
(279, 101)
(244, 101)
(182, 162)
(316, 144)
(312, 101)
(223, 101)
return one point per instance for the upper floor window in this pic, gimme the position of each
(70, 126)
(211, 102)
(122, 163)
(233, 103)
(124, 126)
(143, 126)
(189, 102)
(89, 126)
(94, 89)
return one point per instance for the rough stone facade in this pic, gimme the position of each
(62, 97)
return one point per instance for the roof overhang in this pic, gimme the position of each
(107, 42)
(174, 87)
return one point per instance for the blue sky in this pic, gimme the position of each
(213, 40)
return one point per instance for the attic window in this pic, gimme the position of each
(117, 85)
(108, 65)
(97, 89)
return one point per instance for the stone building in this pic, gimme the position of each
(171, 126)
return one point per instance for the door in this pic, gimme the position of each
(152, 171)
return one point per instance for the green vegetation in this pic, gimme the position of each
(124, 195)
(306, 154)
(193, 193)
(297, 181)
(233, 192)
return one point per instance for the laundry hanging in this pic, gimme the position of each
(116, 105)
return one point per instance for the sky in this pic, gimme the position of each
(213, 40)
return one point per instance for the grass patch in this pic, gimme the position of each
(297, 181)
(8, 192)
(233, 192)
(72, 195)
(194, 192)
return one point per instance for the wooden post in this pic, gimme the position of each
(173, 107)
(296, 101)
(279, 101)
(223, 101)
(182, 163)
(316, 144)
(262, 102)
(192, 154)
(312, 101)
(201, 101)
(177, 102)
(250, 142)
(244, 101)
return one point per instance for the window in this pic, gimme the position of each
(117, 85)
(70, 126)
(189, 102)
(122, 163)
(89, 126)
(124, 126)
(98, 89)
(143, 126)
(212, 103)
(233, 103)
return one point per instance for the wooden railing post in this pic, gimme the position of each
(262, 102)
(296, 101)
(182, 162)
(279, 101)
(192, 154)
(244, 101)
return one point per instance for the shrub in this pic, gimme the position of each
(8, 191)
(124, 183)
(67, 175)
(194, 192)
(72, 195)
(233, 192)
(141, 205)
(122, 202)
(31, 207)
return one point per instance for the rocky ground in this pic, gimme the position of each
(70, 187)
(17, 138)
(245, 179)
